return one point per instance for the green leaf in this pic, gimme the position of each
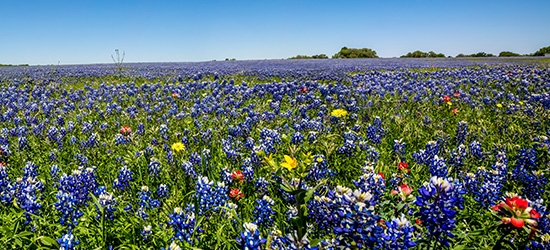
(45, 240)
(459, 247)
(309, 194)
(287, 188)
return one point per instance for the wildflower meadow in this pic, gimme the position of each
(276, 154)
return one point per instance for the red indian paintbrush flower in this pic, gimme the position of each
(236, 194)
(516, 211)
(403, 166)
(126, 130)
(446, 98)
(238, 176)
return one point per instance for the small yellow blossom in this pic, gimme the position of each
(178, 146)
(450, 103)
(499, 105)
(289, 163)
(520, 102)
(339, 113)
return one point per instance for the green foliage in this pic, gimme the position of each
(421, 54)
(346, 52)
(507, 54)
(12, 65)
(320, 56)
(542, 51)
(478, 54)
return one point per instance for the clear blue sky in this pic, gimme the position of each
(78, 32)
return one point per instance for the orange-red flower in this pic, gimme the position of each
(403, 166)
(455, 111)
(126, 130)
(446, 98)
(303, 89)
(175, 95)
(517, 212)
(238, 176)
(457, 94)
(236, 194)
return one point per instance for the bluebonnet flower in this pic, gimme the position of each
(425, 156)
(312, 136)
(107, 201)
(6, 189)
(210, 197)
(140, 129)
(229, 148)
(162, 191)
(438, 167)
(461, 132)
(348, 148)
(146, 202)
(399, 234)
(121, 139)
(297, 138)
(437, 203)
(82, 159)
(319, 169)
(184, 225)
(66, 205)
(371, 183)
(475, 149)
(146, 232)
(123, 180)
(195, 159)
(53, 155)
(290, 241)
(399, 149)
(458, 156)
(154, 167)
(535, 186)
(23, 144)
(188, 169)
(261, 186)
(27, 191)
(375, 132)
(263, 212)
(68, 241)
(250, 238)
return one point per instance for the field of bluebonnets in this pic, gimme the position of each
(304, 154)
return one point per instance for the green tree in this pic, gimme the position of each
(507, 54)
(422, 54)
(346, 52)
(542, 51)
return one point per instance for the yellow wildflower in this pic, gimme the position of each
(499, 105)
(178, 146)
(339, 113)
(289, 163)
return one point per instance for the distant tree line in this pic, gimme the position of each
(422, 54)
(346, 52)
(478, 54)
(320, 56)
(12, 65)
